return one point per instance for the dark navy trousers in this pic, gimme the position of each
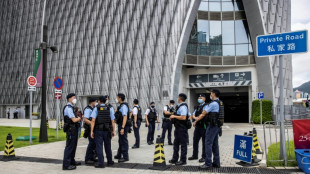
(167, 126)
(90, 149)
(123, 143)
(103, 137)
(199, 133)
(137, 133)
(180, 139)
(151, 131)
(70, 149)
(212, 145)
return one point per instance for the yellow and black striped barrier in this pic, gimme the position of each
(47, 125)
(159, 156)
(255, 160)
(256, 142)
(9, 152)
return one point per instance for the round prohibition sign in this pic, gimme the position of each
(58, 84)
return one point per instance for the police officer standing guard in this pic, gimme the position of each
(71, 128)
(90, 155)
(180, 133)
(122, 114)
(137, 118)
(211, 116)
(167, 125)
(200, 130)
(150, 116)
(102, 129)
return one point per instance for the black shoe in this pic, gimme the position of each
(99, 166)
(192, 158)
(149, 143)
(152, 142)
(173, 161)
(77, 164)
(170, 143)
(122, 160)
(69, 168)
(205, 167)
(216, 165)
(180, 163)
(117, 157)
(111, 163)
(135, 147)
(201, 160)
(89, 162)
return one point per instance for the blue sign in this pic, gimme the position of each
(260, 95)
(243, 148)
(283, 43)
(58, 83)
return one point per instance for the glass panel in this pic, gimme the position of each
(228, 32)
(227, 6)
(238, 5)
(241, 34)
(242, 50)
(251, 52)
(203, 49)
(191, 49)
(215, 32)
(203, 31)
(228, 50)
(204, 6)
(216, 50)
(214, 6)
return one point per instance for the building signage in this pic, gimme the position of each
(221, 79)
(283, 43)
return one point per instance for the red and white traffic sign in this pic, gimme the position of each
(57, 96)
(32, 81)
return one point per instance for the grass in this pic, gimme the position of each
(273, 155)
(24, 131)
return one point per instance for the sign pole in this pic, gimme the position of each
(30, 115)
(282, 129)
(57, 116)
(261, 112)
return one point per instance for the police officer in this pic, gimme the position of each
(151, 116)
(137, 118)
(71, 129)
(90, 155)
(180, 133)
(200, 130)
(102, 129)
(211, 116)
(167, 125)
(121, 115)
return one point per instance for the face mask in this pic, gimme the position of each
(171, 105)
(96, 104)
(106, 102)
(116, 100)
(210, 97)
(74, 101)
(200, 101)
(152, 106)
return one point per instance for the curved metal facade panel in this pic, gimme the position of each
(105, 47)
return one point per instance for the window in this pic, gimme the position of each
(228, 32)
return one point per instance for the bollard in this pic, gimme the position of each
(159, 156)
(9, 152)
(256, 142)
(255, 160)
(47, 125)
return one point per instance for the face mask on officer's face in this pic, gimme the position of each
(211, 97)
(153, 106)
(74, 101)
(96, 104)
(107, 101)
(200, 101)
(116, 100)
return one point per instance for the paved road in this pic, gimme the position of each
(48, 157)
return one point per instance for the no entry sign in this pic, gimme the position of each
(58, 83)
(32, 81)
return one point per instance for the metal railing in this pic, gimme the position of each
(272, 141)
(292, 112)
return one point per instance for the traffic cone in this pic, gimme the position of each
(47, 125)
(255, 160)
(159, 156)
(9, 153)
(256, 142)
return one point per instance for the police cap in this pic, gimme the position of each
(202, 95)
(70, 95)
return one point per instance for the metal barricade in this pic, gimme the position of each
(272, 136)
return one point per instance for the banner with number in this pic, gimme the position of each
(301, 130)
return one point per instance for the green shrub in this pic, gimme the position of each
(267, 111)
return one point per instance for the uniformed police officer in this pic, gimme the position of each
(71, 129)
(90, 155)
(180, 133)
(211, 117)
(167, 125)
(200, 130)
(121, 115)
(151, 116)
(102, 129)
(136, 120)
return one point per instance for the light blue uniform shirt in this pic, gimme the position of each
(124, 110)
(182, 111)
(95, 113)
(69, 111)
(87, 113)
(212, 107)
